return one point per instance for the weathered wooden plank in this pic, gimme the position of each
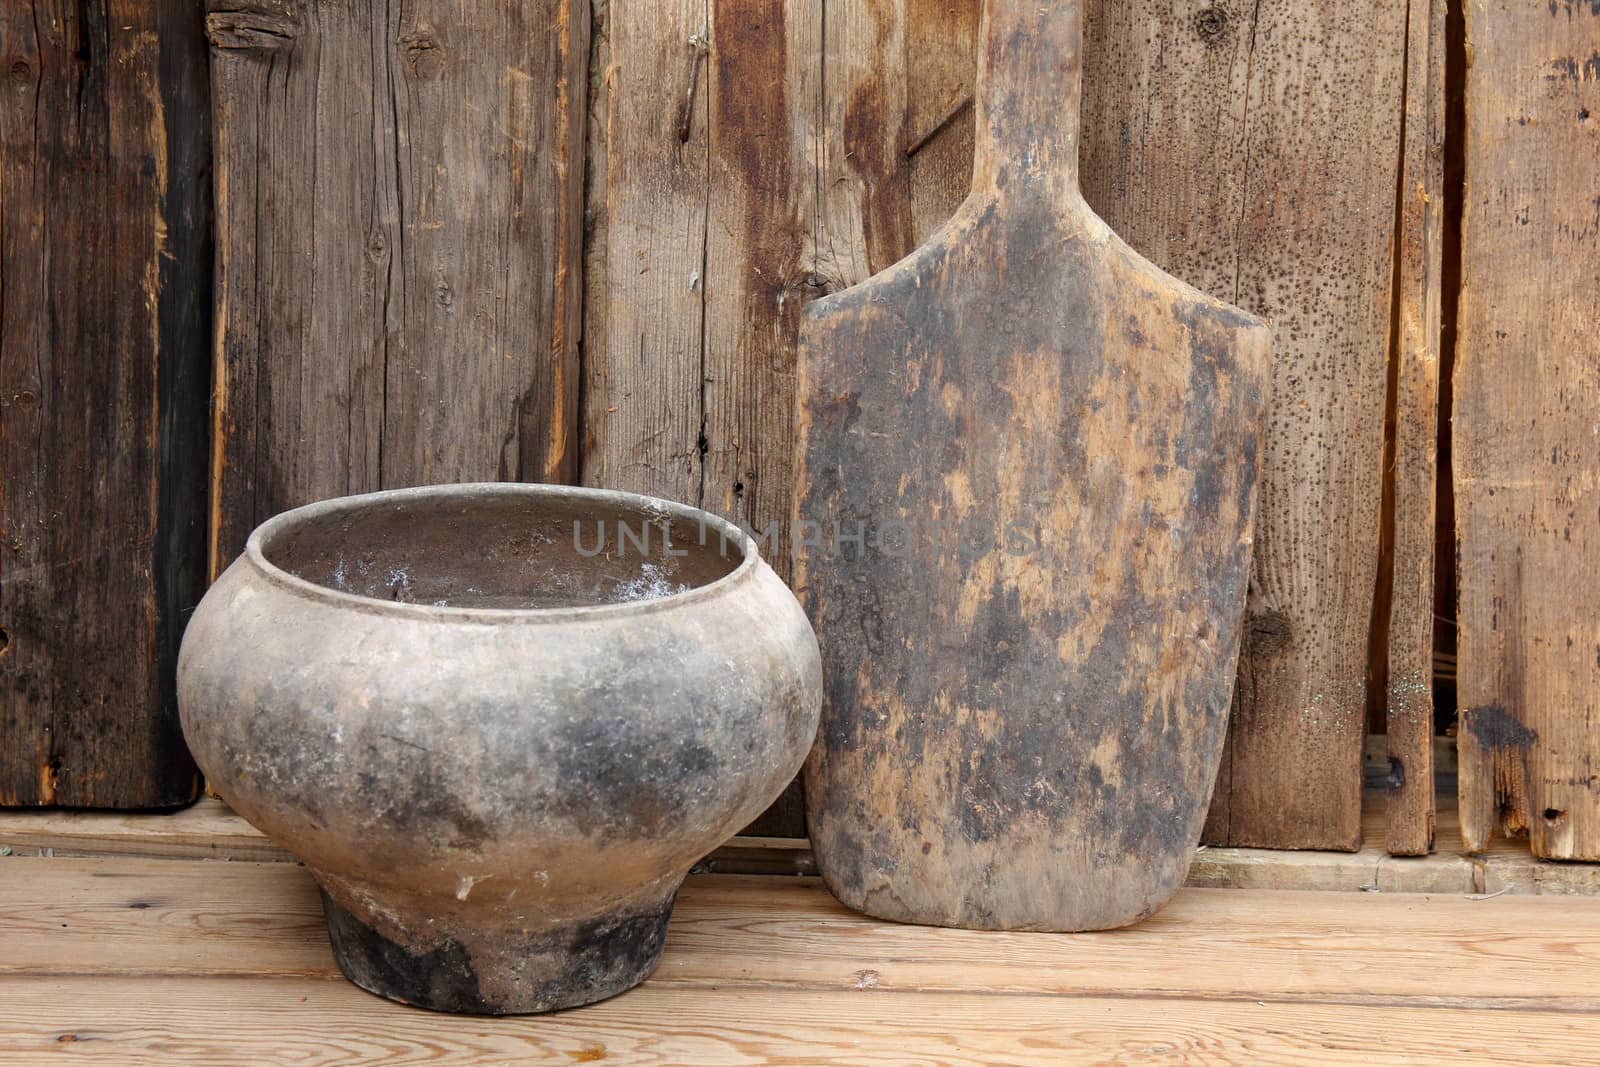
(1252, 150)
(864, 196)
(891, 153)
(312, 1021)
(125, 917)
(104, 310)
(398, 223)
(696, 250)
(941, 80)
(644, 305)
(209, 830)
(764, 67)
(1407, 633)
(204, 830)
(1527, 451)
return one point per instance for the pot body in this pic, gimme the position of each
(499, 805)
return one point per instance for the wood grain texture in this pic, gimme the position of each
(1527, 447)
(744, 159)
(308, 1022)
(127, 917)
(398, 230)
(761, 85)
(1405, 638)
(1503, 868)
(645, 255)
(104, 308)
(207, 829)
(895, 131)
(1050, 448)
(1252, 150)
(133, 962)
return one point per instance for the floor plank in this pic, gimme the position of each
(206, 830)
(307, 1022)
(126, 918)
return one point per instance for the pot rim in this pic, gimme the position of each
(304, 587)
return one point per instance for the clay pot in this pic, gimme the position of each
(499, 723)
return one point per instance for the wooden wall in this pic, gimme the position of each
(1254, 152)
(561, 242)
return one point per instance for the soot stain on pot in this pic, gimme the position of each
(442, 979)
(635, 781)
(611, 952)
(610, 948)
(436, 812)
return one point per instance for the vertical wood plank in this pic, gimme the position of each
(299, 375)
(864, 200)
(1252, 150)
(644, 307)
(1527, 442)
(399, 197)
(762, 80)
(103, 316)
(893, 148)
(762, 84)
(1409, 809)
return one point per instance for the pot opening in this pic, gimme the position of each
(502, 547)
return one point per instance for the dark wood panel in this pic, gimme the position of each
(104, 313)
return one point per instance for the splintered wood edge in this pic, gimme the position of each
(208, 830)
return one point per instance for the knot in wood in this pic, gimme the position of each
(1211, 23)
(1270, 633)
(424, 55)
(817, 284)
(257, 31)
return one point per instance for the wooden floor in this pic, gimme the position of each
(131, 960)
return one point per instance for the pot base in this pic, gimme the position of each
(514, 974)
